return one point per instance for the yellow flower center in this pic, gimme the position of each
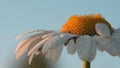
(84, 25)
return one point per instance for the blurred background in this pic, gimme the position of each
(18, 16)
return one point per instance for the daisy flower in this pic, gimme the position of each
(82, 34)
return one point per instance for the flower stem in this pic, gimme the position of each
(86, 64)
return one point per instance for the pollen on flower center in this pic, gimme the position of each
(84, 25)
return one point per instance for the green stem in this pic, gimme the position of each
(86, 64)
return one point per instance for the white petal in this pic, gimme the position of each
(41, 43)
(59, 39)
(86, 48)
(32, 56)
(38, 45)
(55, 53)
(102, 29)
(111, 45)
(30, 59)
(37, 52)
(21, 44)
(117, 30)
(52, 43)
(51, 34)
(101, 41)
(41, 31)
(24, 47)
(71, 47)
(49, 44)
(28, 43)
(116, 34)
(28, 39)
(32, 44)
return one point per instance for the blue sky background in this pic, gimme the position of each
(18, 16)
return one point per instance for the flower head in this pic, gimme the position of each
(84, 25)
(81, 34)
